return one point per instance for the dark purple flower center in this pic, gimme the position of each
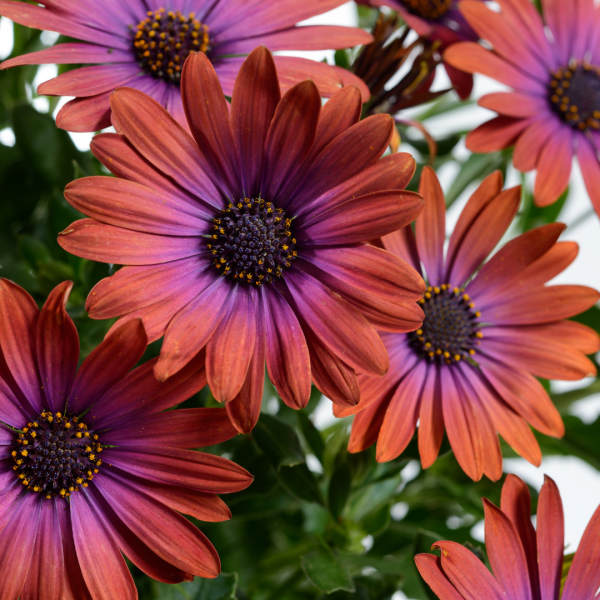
(574, 94)
(450, 330)
(164, 40)
(56, 454)
(427, 9)
(252, 241)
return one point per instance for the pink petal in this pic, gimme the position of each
(430, 227)
(229, 350)
(532, 141)
(339, 326)
(551, 540)
(183, 428)
(107, 364)
(299, 112)
(497, 134)
(400, 420)
(57, 345)
(516, 505)
(104, 569)
(473, 58)
(163, 143)
(105, 243)
(187, 468)
(85, 114)
(208, 116)
(46, 580)
(287, 354)
(430, 568)
(18, 320)
(70, 54)
(244, 409)
(41, 18)
(90, 81)
(164, 531)
(308, 37)
(192, 327)
(468, 574)
(484, 234)
(255, 98)
(554, 168)
(505, 553)
(431, 419)
(590, 169)
(134, 206)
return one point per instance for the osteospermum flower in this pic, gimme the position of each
(90, 466)
(488, 331)
(144, 43)
(526, 564)
(441, 22)
(553, 111)
(250, 241)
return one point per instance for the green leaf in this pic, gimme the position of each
(475, 168)
(341, 59)
(339, 489)
(533, 216)
(376, 522)
(221, 588)
(300, 482)
(311, 434)
(48, 149)
(278, 441)
(324, 569)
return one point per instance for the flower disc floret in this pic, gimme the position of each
(450, 330)
(428, 9)
(55, 454)
(575, 95)
(164, 40)
(252, 241)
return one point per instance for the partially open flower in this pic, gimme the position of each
(250, 240)
(442, 24)
(526, 564)
(90, 465)
(144, 45)
(489, 330)
(379, 62)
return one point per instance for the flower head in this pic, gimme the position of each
(526, 564)
(440, 22)
(553, 111)
(250, 240)
(144, 45)
(379, 62)
(91, 467)
(489, 330)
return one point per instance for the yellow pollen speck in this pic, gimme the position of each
(479, 334)
(24, 453)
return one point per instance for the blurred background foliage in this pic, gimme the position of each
(317, 522)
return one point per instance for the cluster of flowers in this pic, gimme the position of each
(272, 230)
